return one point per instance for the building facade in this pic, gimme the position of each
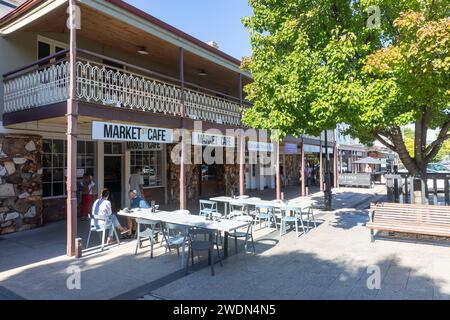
(145, 93)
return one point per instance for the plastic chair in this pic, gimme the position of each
(310, 211)
(174, 235)
(246, 235)
(295, 218)
(208, 207)
(266, 213)
(101, 224)
(236, 209)
(202, 245)
(149, 233)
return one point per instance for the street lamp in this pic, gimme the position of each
(327, 192)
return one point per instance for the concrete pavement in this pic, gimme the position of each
(328, 262)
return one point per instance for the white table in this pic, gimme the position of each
(189, 220)
(226, 200)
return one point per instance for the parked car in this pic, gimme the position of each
(437, 168)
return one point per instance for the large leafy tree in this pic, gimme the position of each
(316, 63)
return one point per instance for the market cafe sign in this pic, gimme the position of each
(260, 146)
(212, 140)
(109, 131)
(143, 146)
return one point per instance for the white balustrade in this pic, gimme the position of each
(105, 85)
(37, 88)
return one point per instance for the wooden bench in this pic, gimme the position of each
(409, 218)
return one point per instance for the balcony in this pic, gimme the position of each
(46, 82)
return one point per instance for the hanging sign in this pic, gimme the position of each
(290, 148)
(213, 140)
(311, 148)
(124, 132)
(260, 146)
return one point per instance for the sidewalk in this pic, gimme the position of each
(33, 264)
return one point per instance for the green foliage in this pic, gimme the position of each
(316, 64)
(443, 153)
(408, 137)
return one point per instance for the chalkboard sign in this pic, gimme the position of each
(355, 179)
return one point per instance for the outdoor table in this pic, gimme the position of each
(188, 220)
(226, 200)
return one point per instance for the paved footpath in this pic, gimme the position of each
(330, 261)
(334, 261)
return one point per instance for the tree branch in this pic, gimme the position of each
(385, 142)
(442, 136)
(434, 147)
(411, 164)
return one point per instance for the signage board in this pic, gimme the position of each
(143, 146)
(311, 148)
(290, 148)
(79, 172)
(212, 140)
(260, 146)
(109, 131)
(355, 179)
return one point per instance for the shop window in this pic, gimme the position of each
(54, 165)
(150, 164)
(85, 158)
(111, 148)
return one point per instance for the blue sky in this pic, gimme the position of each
(218, 20)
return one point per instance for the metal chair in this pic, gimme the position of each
(208, 207)
(149, 233)
(246, 235)
(195, 244)
(174, 235)
(265, 213)
(101, 224)
(285, 218)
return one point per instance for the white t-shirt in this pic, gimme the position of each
(136, 181)
(101, 208)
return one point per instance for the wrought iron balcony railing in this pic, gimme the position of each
(128, 87)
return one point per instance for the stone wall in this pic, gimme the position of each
(292, 174)
(227, 178)
(21, 183)
(231, 179)
(173, 178)
(54, 210)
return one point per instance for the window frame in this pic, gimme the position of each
(64, 167)
(159, 166)
(53, 44)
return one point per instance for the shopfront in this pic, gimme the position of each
(259, 168)
(290, 163)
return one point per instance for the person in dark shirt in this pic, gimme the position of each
(136, 201)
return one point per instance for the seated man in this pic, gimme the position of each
(102, 208)
(136, 201)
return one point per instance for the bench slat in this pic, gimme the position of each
(410, 218)
(406, 227)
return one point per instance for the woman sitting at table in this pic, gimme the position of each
(102, 208)
(136, 201)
